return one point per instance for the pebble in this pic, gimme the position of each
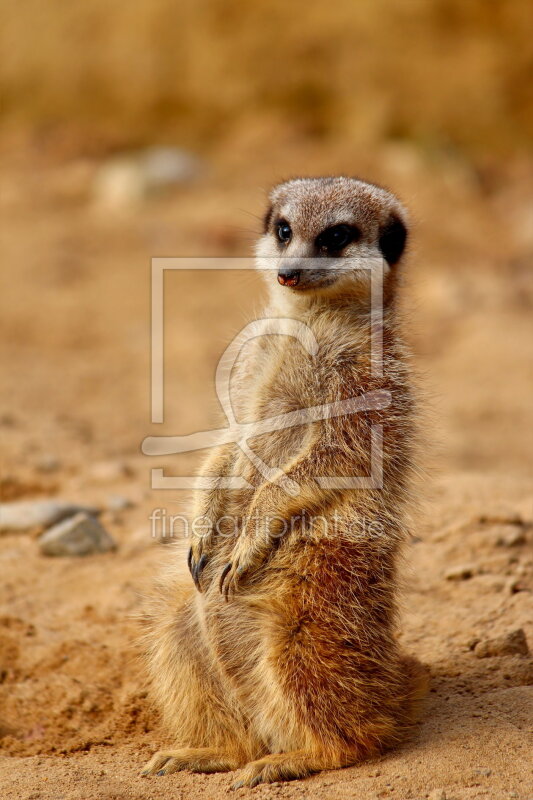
(27, 514)
(118, 503)
(108, 471)
(462, 572)
(47, 463)
(437, 794)
(118, 185)
(80, 535)
(483, 771)
(128, 180)
(513, 643)
(510, 536)
(516, 585)
(168, 166)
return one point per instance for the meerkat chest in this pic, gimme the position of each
(292, 381)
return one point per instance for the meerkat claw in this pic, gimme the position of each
(229, 580)
(198, 570)
(225, 571)
(196, 567)
(191, 563)
(229, 589)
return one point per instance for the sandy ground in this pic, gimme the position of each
(74, 345)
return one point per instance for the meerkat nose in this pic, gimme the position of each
(289, 277)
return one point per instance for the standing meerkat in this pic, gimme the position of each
(279, 656)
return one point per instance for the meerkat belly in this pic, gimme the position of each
(279, 448)
(314, 607)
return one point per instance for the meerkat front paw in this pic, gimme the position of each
(249, 553)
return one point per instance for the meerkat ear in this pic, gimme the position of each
(267, 219)
(392, 239)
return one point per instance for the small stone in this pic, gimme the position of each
(516, 585)
(118, 503)
(80, 535)
(462, 572)
(119, 184)
(437, 794)
(126, 181)
(511, 536)
(483, 771)
(27, 514)
(513, 643)
(47, 463)
(109, 471)
(168, 166)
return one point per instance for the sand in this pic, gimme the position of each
(75, 721)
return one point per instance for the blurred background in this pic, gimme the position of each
(156, 128)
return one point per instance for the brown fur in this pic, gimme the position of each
(285, 662)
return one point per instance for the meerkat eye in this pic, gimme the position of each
(337, 238)
(284, 231)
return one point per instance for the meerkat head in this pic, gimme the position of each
(323, 236)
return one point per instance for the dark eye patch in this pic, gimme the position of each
(336, 238)
(392, 239)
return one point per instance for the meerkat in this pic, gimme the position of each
(277, 654)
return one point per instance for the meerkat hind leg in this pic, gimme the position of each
(282, 767)
(194, 759)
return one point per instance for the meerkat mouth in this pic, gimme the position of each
(306, 283)
(294, 279)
